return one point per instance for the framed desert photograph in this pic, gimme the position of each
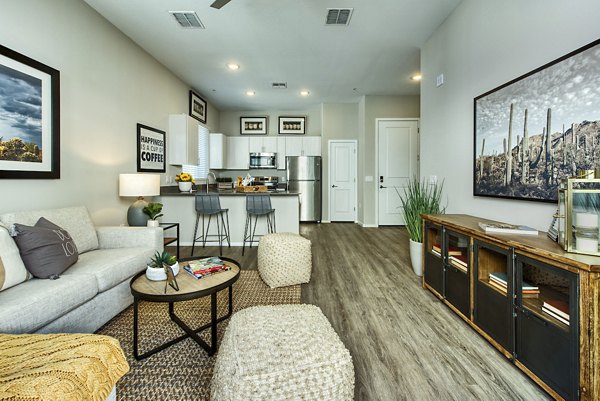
(539, 128)
(151, 149)
(29, 117)
(253, 125)
(292, 125)
(197, 107)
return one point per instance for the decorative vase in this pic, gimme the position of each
(152, 223)
(416, 257)
(158, 273)
(185, 186)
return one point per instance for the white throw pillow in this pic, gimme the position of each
(12, 269)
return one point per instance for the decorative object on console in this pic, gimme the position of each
(32, 151)
(504, 228)
(153, 210)
(47, 250)
(292, 125)
(419, 198)
(198, 108)
(253, 125)
(538, 128)
(138, 185)
(151, 149)
(156, 271)
(578, 210)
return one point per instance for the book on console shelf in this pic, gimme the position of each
(556, 316)
(502, 279)
(458, 262)
(451, 250)
(558, 307)
(503, 228)
(437, 253)
(205, 267)
(527, 294)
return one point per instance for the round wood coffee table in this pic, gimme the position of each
(189, 288)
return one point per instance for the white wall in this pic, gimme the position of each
(482, 45)
(108, 84)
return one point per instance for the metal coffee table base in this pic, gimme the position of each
(210, 349)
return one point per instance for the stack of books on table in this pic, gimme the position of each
(205, 267)
(499, 281)
(436, 249)
(557, 309)
(503, 228)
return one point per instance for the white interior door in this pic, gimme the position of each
(342, 180)
(397, 151)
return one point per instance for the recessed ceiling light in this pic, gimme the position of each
(233, 66)
(416, 77)
(304, 93)
(250, 93)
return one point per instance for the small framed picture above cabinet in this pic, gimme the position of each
(198, 107)
(292, 125)
(253, 125)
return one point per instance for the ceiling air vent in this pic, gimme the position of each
(279, 85)
(187, 19)
(338, 16)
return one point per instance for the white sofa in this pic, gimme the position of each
(89, 293)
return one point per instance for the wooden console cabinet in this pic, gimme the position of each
(561, 354)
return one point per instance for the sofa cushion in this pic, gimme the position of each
(76, 220)
(34, 303)
(46, 249)
(111, 266)
(12, 269)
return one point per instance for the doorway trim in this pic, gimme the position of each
(329, 159)
(376, 180)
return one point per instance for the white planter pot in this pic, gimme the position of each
(158, 273)
(152, 223)
(185, 186)
(416, 257)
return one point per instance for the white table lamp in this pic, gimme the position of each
(138, 185)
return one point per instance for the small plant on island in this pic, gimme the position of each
(184, 177)
(153, 210)
(160, 259)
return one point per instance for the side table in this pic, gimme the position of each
(169, 240)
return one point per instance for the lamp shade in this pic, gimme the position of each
(139, 185)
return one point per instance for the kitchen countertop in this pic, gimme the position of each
(174, 191)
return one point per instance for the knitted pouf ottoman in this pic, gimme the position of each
(284, 259)
(283, 352)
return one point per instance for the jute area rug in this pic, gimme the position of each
(183, 371)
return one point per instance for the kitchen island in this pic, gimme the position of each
(179, 207)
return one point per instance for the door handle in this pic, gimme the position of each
(334, 186)
(381, 187)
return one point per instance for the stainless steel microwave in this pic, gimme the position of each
(263, 160)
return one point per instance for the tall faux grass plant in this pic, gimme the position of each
(420, 198)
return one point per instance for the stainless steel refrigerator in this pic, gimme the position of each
(304, 177)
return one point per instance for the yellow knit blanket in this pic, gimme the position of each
(59, 366)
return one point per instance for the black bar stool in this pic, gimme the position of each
(209, 205)
(257, 206)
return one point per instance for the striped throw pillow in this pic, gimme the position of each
(12, 269)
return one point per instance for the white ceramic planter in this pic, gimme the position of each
(158, 273)
(185, 186)
(416, 257)
(152, 223)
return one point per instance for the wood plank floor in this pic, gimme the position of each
(405, 344)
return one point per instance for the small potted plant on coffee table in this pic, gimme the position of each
(156, 271)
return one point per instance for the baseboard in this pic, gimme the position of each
(325, 221)
(363, 225)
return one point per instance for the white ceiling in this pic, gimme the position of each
(284, 40)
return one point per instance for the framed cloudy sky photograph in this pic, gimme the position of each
(539, 128)
(29, 117)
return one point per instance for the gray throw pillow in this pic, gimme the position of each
(46, 249)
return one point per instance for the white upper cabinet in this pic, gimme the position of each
(218, 151)
(303, 146)
(281, 153)
(237, 153)
(182, 142)
(263, 144)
